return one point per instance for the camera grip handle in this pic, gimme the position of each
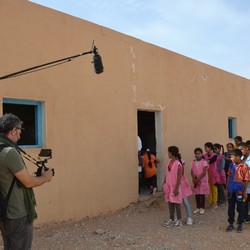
(39, 171)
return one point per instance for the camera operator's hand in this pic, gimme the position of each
(47, 174)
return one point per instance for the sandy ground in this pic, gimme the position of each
(140, 226)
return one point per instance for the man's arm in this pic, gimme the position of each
(16, 165)
(30, 181)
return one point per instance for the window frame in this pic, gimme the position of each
(231, 127)
(39, 111)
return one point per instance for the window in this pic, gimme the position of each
(231, 127)
(31, 113)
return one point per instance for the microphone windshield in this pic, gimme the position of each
(98, 66)
(97, 60)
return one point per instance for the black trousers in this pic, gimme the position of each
(246, 208)
(200, 200)
(151, 182)
(221, 194)
(232, 202)
(172, 208)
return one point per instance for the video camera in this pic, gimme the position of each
(46, 154)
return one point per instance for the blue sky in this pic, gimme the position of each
(216, 32)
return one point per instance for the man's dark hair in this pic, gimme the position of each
(8, 122)
(237, 152)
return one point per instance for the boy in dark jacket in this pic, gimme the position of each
(237, 182)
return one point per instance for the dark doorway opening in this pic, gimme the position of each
(146, 130)
(147, 133)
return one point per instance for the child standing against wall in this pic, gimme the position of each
(199, 169)
(171, 187)
(220, 161)
(213, 175)
(237, 140)
(243, 147)
(237, 182)
(227, 156)
(186, 192)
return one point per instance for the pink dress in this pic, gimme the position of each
(185, 187)
(221, 163)
(171, 180)
(203, 186)
(213, 173)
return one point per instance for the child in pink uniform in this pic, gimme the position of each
(172, 187)
(227, 156)
(222, 175)
(213, 174)
(186, 192)
(199, 168)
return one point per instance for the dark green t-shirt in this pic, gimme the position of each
(10, 163)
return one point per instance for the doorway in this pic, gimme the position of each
(150, 131)
(146, 130)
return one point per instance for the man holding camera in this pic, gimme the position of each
(16, 224)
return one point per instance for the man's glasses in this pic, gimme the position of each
(22, 129)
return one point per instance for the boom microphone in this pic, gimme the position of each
(97, 61)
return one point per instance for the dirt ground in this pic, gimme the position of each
(139, 226)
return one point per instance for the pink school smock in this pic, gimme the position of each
(203, 186)
(213, 173)
(222, 174)
(185, 187)
(171, 180)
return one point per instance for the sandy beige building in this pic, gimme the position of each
(91, 121)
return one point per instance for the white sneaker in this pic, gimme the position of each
(196, 211)
(154, 191)
(170, 223)
(189, 221)
(202, 211)
(178, 223)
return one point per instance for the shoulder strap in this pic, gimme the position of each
(2, 146)
(10, 189)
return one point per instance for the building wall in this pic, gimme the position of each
(91, 120)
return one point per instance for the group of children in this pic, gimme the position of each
(220, 175)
